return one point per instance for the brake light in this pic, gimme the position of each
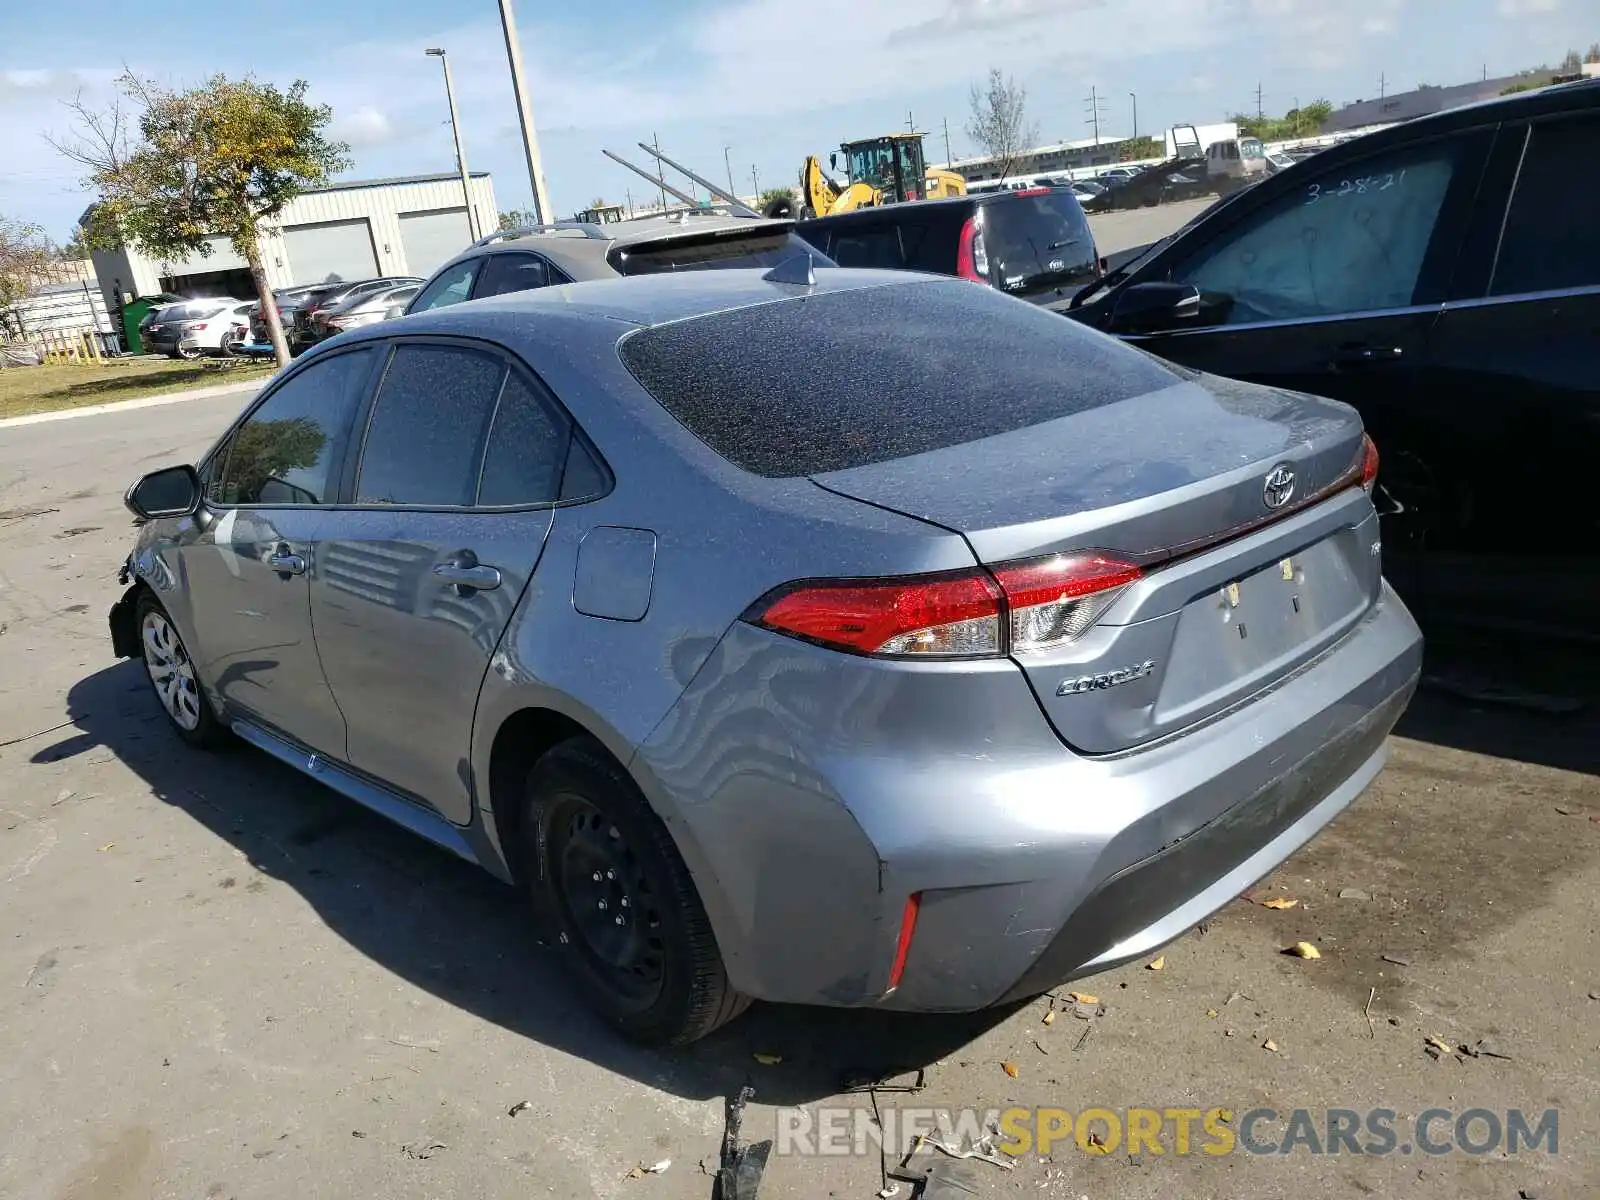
(972, 255)
(1369, 462)
(1018, 608)
(1033, 191)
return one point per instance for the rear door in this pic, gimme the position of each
(514, 271)
(449, 501)
(1506, 448)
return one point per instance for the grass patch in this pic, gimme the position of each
(55, 386)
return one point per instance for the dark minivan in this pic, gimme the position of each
(1033, 243)
(1442, 276)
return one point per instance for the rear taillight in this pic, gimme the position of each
(972, 255)
(1019, 608)
(1369, 462)
(1033, 191)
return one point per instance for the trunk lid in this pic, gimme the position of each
(1236, 593)
(1039, 245)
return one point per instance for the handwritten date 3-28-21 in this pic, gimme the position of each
(1361, 186)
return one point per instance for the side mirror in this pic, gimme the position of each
(833, 161)
(169, 492)
(393, 311)
(1154, 307)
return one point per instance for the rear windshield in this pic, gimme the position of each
(712, 253)
(1035, 238)
(844, 379)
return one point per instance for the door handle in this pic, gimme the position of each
(1367, 356)
(285, 563)
(466, 574)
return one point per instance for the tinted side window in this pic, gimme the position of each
(284, 450)
(1349, 240)
(1551, 238)
(527, 447)
(425, 440)
(504, 273)
(453, 285)
(869, 248)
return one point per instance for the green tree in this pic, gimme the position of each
(1140, 148)
(77, 247)
(1305, 121)
(773, 195)
(516, 218)
(176, 168)
(24, 254)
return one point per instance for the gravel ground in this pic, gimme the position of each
(219, 980)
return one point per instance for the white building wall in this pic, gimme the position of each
(379, 204)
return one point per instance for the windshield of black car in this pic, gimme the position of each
(1038, 237)
(720, 250)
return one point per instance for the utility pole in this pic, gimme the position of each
(629, 193)
(948, 159)
(655, 138)
(727, 162)
(754, 181)
(1383, 83)
(1095, 105)
(911, 125)
(530, 135)
(1259, 113)
(1135, 97)
(455, 129)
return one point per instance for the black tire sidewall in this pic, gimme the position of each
(579, 769)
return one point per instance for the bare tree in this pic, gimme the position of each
(1571, 64)
(998, 121)
(176, 169)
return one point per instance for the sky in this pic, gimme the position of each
(770, 80)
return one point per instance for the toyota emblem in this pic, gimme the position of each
(1278, 486)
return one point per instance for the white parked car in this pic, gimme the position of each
(197, 327)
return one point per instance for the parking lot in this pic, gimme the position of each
(223, 981)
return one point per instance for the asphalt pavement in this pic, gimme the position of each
(219, 980)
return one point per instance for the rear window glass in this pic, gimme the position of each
(711, 253)
(1033, 237)
(844, 379)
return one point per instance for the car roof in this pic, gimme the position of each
(643, 300)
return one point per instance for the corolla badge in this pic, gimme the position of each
(1278, 486)
(1106, 679)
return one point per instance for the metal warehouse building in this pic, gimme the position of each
(405, 226)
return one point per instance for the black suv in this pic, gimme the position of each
(1033, 243)
(1443, 276)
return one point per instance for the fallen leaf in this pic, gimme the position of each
(1211, 1012)
(519, 1106)
(657, 1168)
(1279, 902)
(1438, 1043)
(1303, 950)
(1157, 963)
(768, 1060)
(1010, 1068)
(1083, 998)
(1050, 1017)
(1270, 1045)
(106, 847)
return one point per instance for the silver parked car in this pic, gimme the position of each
(782, 640)
(365, 308)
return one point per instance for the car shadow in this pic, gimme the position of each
(450, 928)
(1520, 697)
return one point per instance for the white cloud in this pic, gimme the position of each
(1377, 26)
(364, 126)
(1526, 8)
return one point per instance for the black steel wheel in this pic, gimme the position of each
(608, 881)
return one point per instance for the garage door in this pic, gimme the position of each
(330, 250)
(433, 238)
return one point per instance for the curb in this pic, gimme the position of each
(94, 410)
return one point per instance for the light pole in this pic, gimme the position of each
(530, 135)
(455, 129)
(1135, 97)
(728, 162)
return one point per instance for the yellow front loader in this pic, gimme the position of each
(881, 170)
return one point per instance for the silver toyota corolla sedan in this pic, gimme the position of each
(853, 638)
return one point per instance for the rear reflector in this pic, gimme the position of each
(1018, 608)
(908, 926)
(1033, 191)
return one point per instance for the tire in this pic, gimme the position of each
(186, 355)
(172, 677)
(225, 349)
(597, 857)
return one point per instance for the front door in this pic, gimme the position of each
(460, 468)
(255, 551)
(1333, 285)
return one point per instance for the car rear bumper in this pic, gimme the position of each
(809, 820)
